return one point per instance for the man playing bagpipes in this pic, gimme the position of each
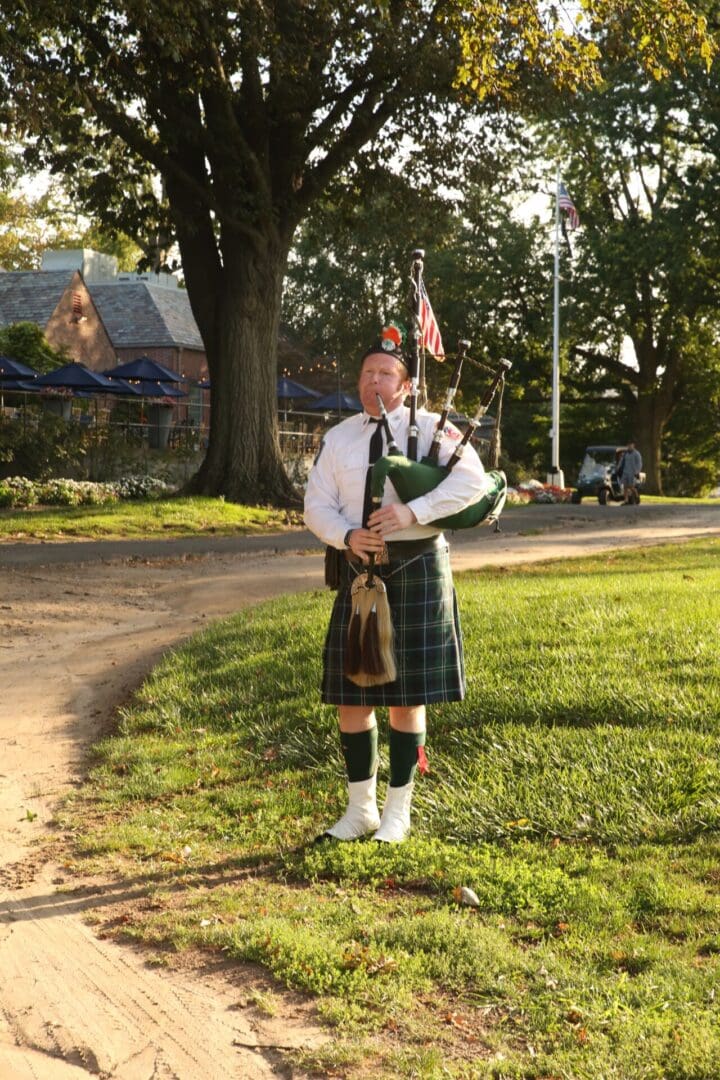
(394, 636)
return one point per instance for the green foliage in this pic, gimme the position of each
(126, 250)
(42, 447)
(29, 223)
(656, 37)
(18, 491)
(644, 271)
(692, 461)
(26, 342)
(348, 274)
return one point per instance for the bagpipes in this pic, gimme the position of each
(412, 478)
(369, 655)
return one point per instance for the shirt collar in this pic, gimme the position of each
(392, 416)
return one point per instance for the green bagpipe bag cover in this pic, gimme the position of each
(411, 479)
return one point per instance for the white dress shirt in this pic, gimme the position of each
(336, 485)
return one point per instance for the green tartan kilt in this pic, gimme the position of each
(428, 643)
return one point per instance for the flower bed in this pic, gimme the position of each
(533, 491)
(17, 491)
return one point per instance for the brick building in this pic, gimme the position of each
(59, 302)
(102, 317)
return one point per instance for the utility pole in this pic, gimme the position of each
(556, 476)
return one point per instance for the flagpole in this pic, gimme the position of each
(555, 476)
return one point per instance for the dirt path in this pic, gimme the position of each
(77, 638)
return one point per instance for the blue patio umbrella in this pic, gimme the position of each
(337, 402)
(288, 388)
(158, 389)
(11, 370)
(14, 376)
(145, 369)
(127, 388)
(118, 387)
(76, 377)
(25, 387)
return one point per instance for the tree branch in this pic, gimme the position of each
(372, 113)
(219, 101)
(609, 363)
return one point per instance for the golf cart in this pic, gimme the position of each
(600, 475)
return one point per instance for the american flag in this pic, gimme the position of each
(565, 203)
(428, 324)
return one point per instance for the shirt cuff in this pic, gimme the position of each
(423, 512)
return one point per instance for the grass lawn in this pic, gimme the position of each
(182, 516)
(140, 518)
(576, 790)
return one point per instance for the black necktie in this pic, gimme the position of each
(376, 448)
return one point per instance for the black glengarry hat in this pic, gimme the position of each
(390, 342)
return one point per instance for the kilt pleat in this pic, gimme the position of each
(428, 643)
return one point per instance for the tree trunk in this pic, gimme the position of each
(659, 365)
(243, 460)
(651, 416)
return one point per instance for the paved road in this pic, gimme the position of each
(516, 521)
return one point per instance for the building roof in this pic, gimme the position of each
(31, 295)
(141, 315)
(136, 314)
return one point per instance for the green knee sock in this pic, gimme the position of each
(404, 755)
(360, 752)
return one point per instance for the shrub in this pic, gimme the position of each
(141, 487)
(534, 491)
(19, 491)
(74, 493)
(41, 447)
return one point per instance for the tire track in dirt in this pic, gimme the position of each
(118, 1018)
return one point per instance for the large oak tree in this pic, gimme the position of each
(246, 113)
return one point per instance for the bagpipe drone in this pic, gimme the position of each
(369, 656)
(412, 478)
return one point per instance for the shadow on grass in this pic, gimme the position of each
(88, 897)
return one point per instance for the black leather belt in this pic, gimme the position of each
(406, 549)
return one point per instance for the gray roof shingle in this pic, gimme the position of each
(31, 296)
(141, 315)
(136, 314)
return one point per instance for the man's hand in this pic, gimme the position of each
(388, 519)
(364, 542)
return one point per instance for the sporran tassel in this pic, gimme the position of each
(353, 657)
(373, 623)
(385, 635)
(371, 660)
